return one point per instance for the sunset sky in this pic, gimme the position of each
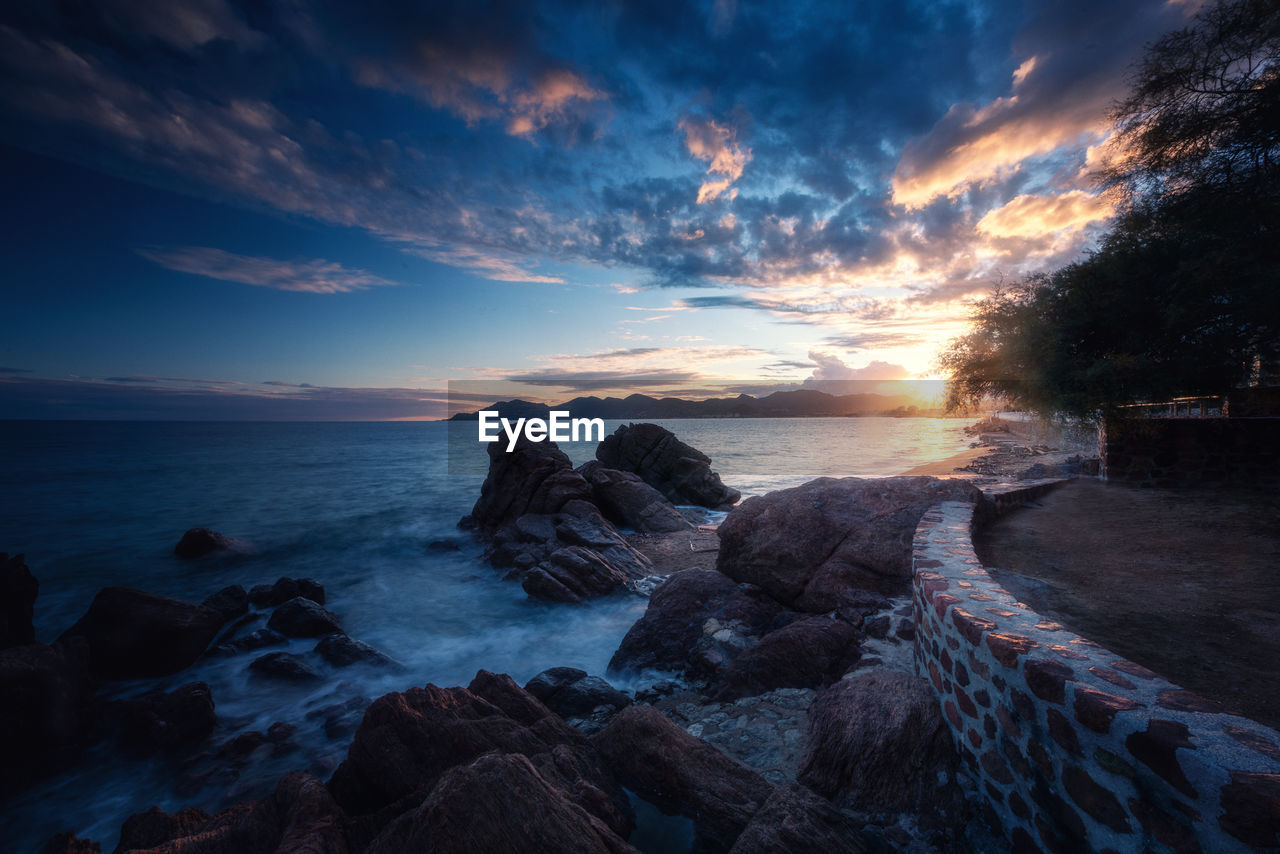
(302, 209)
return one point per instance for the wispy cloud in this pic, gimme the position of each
(312, 277)
(717, 144)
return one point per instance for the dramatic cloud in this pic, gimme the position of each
(717, 143)
(313, 277)
(1034, 216)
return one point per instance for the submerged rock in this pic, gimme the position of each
(806, 546)
(681, 473)
(169, 722)
(47, 713)
(18, 591)
(198, 542)
(498, 802)
(231, 602)
(285, 588)
(342, 651)
(285, 666)
(625, 499)
(131, 633)
(303, 618)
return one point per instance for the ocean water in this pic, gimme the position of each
(353, 505)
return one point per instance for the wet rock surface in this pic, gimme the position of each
(681, 473)
(303, 618)
(198, 542)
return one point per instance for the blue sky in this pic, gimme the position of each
(300, 209)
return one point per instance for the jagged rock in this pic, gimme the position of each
(285, 666)
(796, 821)
(198, 542)
(69, 843)
(131, 633)
(807, 545)
(498, 802)
(625, 499)
(681, 473)
(573, 574)
(535, 477)
(47, 712)
(407, 741)
(809, 653)
(877, 743)
(230, 602)
(285, 588)
(18, 591)
(303, 618)
(342, 651)
(570, 692)
(668, 767)
(172, 721)
(670, 635)
(299, 817)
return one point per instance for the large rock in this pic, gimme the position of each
(18, 590)
(625, 499)
(132, 633)
(806, 546)
(535, 477)
(408, 741)
(498, 802)
(198, 542)
(681, 774)
(299, 817)
(47, 710)
(570, 692)
(682, 473)
(796, 821)
(342, 651)
(231, 602)
(877, 743)
(670, 635)
(809, 653)
(303, 618)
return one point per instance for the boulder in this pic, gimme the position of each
(573, 574)
(284, 666)
(258, 639)
(132, 633)
(670, 635)
(303, 618)
(408, 741)
(535, 477)
(170, 722)
(230, 602)
(198, 542)
(877, 743)
(668, 767)
(681, 473)
(342, 651)
(47, 713)
(570, 692)
(299, 817)
(796, 821)
(18, 590)
(807, 545)
(625, 499)
(498, 802)
(285, 588)
(810, 653)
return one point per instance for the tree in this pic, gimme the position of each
(1182, 297)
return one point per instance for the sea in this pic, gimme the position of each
(354, 506)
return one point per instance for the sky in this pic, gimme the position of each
(306, 209)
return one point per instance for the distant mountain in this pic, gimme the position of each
(803, 403)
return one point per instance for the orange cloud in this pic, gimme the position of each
(708, 140)
(1032, 216)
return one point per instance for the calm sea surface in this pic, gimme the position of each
(353, 505)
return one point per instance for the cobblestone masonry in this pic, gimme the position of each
(1076, 748)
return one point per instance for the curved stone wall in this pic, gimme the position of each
(1075, 748)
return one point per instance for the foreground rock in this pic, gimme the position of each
(625, 499)
(586, 702)
(47, 712)
(408, 741)
(796, 821)
(132, 634)
(18, 590)
(681, 473)
(671, 635)
(498, 802)
(679, 773)
(169, 722)
(808, 546)
(198, 542)
(810, 653)
(878, 744)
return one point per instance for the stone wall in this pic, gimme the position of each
(1075, 748)
(1191, 451)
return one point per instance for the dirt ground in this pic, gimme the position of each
(1185, 582)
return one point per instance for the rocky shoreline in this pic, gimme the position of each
(773, 702)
